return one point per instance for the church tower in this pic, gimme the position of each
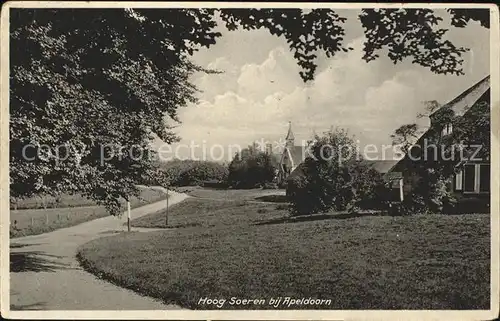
(290, 139)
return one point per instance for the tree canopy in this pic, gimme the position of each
(335, 176)
(251, 168)
(89, 88)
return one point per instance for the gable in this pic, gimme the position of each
(298, 154)
(463, 102)
(460, 106)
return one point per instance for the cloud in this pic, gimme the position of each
(279, 72)
(216, 84)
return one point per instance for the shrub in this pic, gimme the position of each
(202, 171)
(194, 173)
(215, 184)
(280, 207)
(333, 177)
(250, 169)
(270, 185)
(431, 194)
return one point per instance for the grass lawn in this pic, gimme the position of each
(255, 194)
(223, 249)
(36, 221)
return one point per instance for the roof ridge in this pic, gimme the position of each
(464, 94)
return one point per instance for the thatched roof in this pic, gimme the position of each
(463, 102)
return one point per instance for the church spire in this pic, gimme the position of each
(290, 138)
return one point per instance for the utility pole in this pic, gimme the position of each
(166, 212)
(128, 215)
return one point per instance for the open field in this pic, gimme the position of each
(224, 249)
(36, 221)
(48, 201)
(67, 200)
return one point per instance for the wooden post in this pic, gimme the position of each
(166, 212)
(128, 216)
(46, 219)
(401, 194)
(32, 221)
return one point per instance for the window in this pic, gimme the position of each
(484, 178)
(447, 129)
(476, 178)
(469, 178)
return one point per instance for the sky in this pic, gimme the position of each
(260, 91)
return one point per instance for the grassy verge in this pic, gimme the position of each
(37, 221)
(254, 194)
(237, 249)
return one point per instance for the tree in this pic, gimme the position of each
(405, 136)
(201, 171)
(251, 168)
(91, 85)
(333, 176)
(66, 132)
(430, 107)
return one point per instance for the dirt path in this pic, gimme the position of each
(45, 274)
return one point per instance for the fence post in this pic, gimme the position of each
(166, 212)
(128, 215)
(401, 194)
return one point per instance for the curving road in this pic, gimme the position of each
(45, 274)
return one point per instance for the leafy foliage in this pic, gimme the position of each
(410, 34)
(405, 136)
(333, 177)
(305, 32)
(461, 17)
(193, 173)
(436, 161)
(251, 168)
(97, 101)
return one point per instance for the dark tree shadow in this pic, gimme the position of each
(20, 245)
(273, 198)
(112, 232)
(35, 261)
(33, 306)
(318, 217)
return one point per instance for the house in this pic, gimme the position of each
(469, 178)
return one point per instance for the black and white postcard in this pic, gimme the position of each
(249, 161)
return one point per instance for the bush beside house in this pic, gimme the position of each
(334, 177)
